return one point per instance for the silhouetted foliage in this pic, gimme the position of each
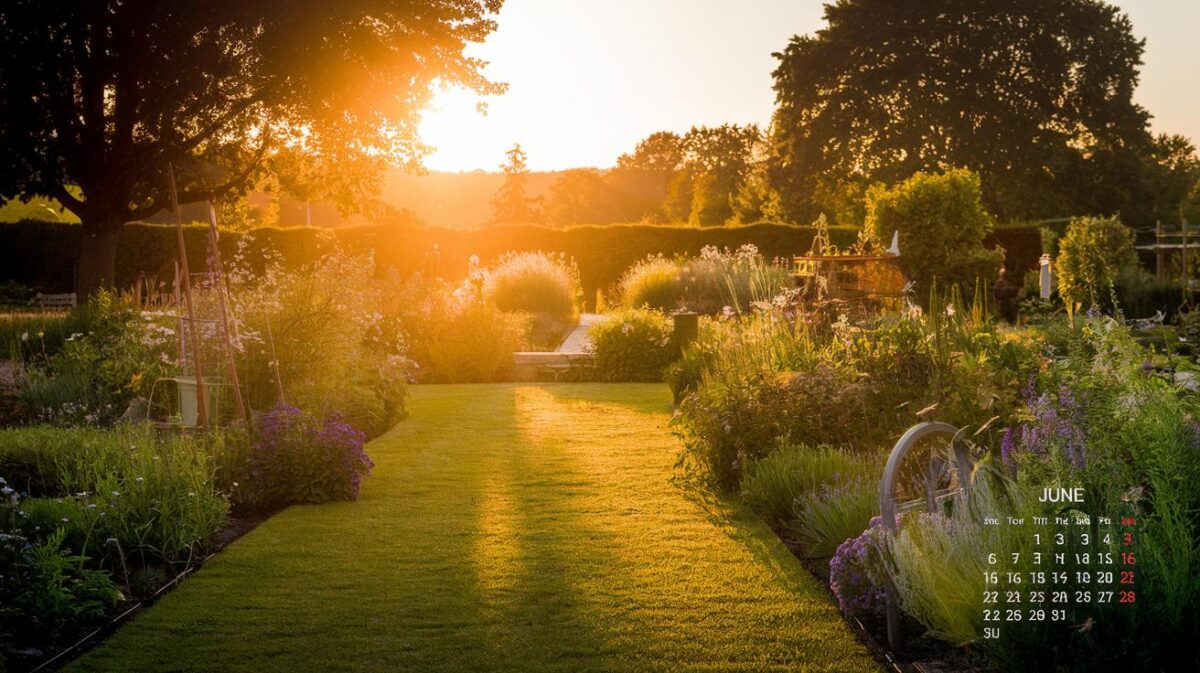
(512, 203)
(104, 94)
(1034, 95)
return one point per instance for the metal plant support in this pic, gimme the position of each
(889, 508)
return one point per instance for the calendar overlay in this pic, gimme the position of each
(1062, 568)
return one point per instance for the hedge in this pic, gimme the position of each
(44, 254)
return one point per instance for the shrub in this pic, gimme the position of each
(534, 282)
(115, 357)
(315, 336)
(772, 376)
(836, 513)
(450, 333)
(1140, 295)
(296, 459)
(942, 224)
(45, 588)
(718, 280)
(773, 484)
(632, 345)
(939, 574)
(1094, 252)
(652, 283)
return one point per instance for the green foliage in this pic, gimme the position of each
(453, 336)
(117, 356)
(836, 513)
(534, 282)
(157, 493)
(357, 117)
(603, 253)
(1094, 252)
(774, 484)
(652, 283)
(34, 336)
(53, 588)
(633, 345)
(1038, 98)
(1103, 419)
(295, 459)
(942, 224)
(1140, 295)
(770, 375)
(724, 280)
(316, 336)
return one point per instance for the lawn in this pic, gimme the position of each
(505, 527)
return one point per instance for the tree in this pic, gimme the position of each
(102, 95)
(582, 196)
(1034, 95)
(1091, 256)
(719, 160)
(1175, 177)
(644, 176)
(942, 223)
(512, 205)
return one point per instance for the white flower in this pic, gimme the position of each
(24, 336)
(949, 309)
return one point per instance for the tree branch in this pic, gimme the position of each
(206, 193)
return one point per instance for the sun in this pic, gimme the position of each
(462, 137)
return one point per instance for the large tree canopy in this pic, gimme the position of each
(104, 94)
(1035, 95)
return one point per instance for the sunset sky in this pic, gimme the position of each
(588, 79)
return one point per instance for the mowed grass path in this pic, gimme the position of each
(505, 528)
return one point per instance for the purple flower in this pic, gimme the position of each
(1007, 447)
(853, 574)
(1057, 426)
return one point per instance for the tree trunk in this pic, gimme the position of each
(97, 257)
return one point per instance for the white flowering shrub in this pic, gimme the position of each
(633, 345)
(117, 356)
(534, 282)
(316, 338)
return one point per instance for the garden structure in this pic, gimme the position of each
(850, 277)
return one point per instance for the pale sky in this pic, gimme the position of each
(589, 78)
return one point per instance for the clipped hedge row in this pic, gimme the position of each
(44, 254)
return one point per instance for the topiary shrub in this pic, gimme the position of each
(942, 224)
(633, 345)
(1092, 254)
(652, 283)
(534, 282)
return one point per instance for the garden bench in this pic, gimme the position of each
(45, 301)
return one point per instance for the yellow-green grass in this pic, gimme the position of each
(505, 528)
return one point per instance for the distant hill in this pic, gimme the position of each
(448, 200)
(454, 200)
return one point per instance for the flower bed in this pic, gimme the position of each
(1101, 411)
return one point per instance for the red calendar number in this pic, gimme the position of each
(1128, 558)
(1128, 539)
(1126, 577)
(1127, 597)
